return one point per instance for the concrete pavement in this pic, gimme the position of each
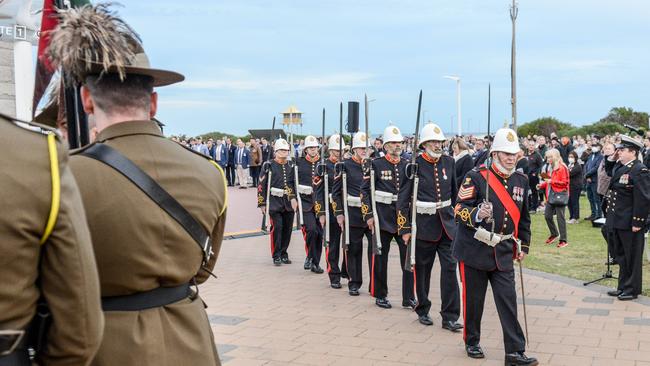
(267, 315)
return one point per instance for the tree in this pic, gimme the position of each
(543, 126)
(625, 115)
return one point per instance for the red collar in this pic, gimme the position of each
(391, 160)
(431, 160)
(280, 162)
(496, 171)
(333, 159)
(356, 160)
(312, 161)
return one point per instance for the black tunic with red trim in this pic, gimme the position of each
(437, 183)
(282, 177)
(331, 175)
(477, 254)
(355, 178)
(389, 176)
(307, 177)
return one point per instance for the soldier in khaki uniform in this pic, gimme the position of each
(43, 220)
(148, 263)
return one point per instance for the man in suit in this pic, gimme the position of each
(242, 160)
(220, 154)
(591, 177)
(230, 164)
(267, 150)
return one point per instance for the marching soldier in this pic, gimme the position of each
(310, 190)
(156, 211)
(332, 253)
(627, 213)
(436, 227)
(389, 176)
(486, 243)
(354, 175)
(46, 254)
(282, 203)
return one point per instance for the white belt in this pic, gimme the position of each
(489, 238)
(302, 189)
(430, 208)
(354, 201)
(385, 197)
(277, 192)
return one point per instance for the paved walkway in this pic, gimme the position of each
(266, 315)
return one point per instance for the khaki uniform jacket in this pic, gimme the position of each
(139, 247)
(67, 270)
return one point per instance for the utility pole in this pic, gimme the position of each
(514, 11)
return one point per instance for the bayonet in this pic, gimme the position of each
(412, 173)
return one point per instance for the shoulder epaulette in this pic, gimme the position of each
(31, 126)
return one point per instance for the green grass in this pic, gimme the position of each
(583, 259)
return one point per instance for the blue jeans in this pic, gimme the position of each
(594, 200)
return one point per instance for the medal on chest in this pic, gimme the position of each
(387, 175)
(518, 194)
(625, 179)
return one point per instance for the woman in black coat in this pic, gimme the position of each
(464, 162)
(575, 187)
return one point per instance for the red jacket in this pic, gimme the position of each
(559, 180)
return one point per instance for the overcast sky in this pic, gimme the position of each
(246, 61)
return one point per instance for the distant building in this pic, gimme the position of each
(291, 116)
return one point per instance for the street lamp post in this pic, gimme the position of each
(458, 115)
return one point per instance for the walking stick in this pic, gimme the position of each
(523, 292)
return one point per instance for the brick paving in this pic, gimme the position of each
(267, 315)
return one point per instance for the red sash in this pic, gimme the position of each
(505, 198)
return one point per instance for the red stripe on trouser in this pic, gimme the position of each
(372, 277)
(272, 236)
(415, 288)
(327, 259)
(304, 236)
(462, 279)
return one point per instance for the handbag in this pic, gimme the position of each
(558, 198)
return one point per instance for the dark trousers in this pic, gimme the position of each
(628, 252)
(379, 268)
(534, 195)
(425, 256)
(230, 174)
(312, 232)
(574, 202)
(333, 251)
(594, 200)
(255, 174)
(475, 283)
(281, 227)
(549, 212)
(354, 256)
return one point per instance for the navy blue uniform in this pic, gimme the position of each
(280, 210)
(332, 252)
(481, 263)
(312, 203)
(358, 228)
(628, 204)
(435, 232)
(389, 176)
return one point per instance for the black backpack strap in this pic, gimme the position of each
(142, 180)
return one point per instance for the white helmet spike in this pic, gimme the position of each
(505, 140)
(392, 134)
(359, 140)
(281, 144)
(311, 141)
(431, 132)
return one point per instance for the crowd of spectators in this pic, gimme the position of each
(571, 164)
